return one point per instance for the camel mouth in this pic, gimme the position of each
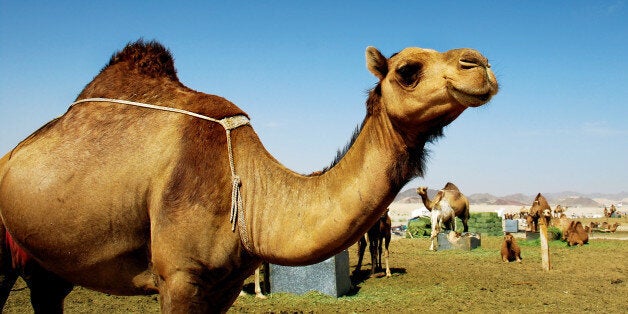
(470, 99)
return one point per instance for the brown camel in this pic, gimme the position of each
(379, 240)
(510, 250)
(539, 209)
(563, 224)
(576, 234)
(124, 197)
(451, 194)
(559, 211)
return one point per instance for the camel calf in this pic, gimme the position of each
(510, 249)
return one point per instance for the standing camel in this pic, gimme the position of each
(456, 200)
(378, 238)
(540, 209)
(146, 186)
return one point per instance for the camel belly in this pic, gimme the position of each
(80, 224)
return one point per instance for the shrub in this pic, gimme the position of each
(419, 227)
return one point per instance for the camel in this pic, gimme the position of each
(379, 240)
(539, 209)
(510, 250)
(563, 224)
(559, 211)
(146, 186)
(609, 213)
(576, 234)
(452, 195)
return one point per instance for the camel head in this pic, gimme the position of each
(508, 238)
(422, 190)
(541, 208)
(422, 89)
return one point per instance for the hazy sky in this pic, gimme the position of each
(559, 123)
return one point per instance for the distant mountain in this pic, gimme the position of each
(411, 193)
(567, 198)
(578, 201)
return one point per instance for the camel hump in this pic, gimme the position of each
(148, 58)
(450, 186)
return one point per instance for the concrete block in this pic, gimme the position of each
(511, 225)
(330, 277)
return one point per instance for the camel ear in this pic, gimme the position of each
(376, 62)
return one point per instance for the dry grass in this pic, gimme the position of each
(592, 278)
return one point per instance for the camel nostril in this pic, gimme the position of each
(471, 59)
(467, 64)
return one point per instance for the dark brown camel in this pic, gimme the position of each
(539, 209)
(510, 250)
(378, 240)
(178, 196)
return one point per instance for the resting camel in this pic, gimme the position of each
(576, 234)
(540, 209)
(510, 250)
(378, 237)
(457, 201)
(563, 224)
(146, 186)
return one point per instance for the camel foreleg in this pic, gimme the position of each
(433, 240)
(386, 254)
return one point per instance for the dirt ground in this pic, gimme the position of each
(592, 278)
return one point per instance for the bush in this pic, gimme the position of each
(554, 233)
(486, 223)
(419, 227)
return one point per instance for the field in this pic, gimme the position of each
(592, 278)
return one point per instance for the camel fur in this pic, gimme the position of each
(129, 200)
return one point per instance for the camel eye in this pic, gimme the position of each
(409, 74)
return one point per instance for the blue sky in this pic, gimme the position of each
(559, 123)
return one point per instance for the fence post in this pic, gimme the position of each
(545, 258)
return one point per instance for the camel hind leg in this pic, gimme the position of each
(8, 275)
(373, 251)
(361, 249)
(48, 291)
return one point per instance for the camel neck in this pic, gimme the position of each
(319, 215)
